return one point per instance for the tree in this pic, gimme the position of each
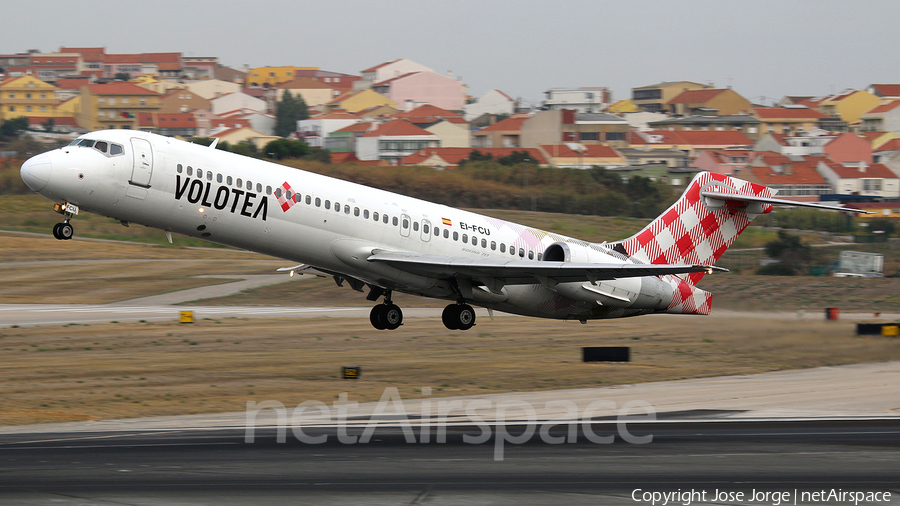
(122, 76)
(285, 148)
(49, 124)
(790, 252)
(13, 127)
(288, 112)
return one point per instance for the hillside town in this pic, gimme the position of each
(844, 147)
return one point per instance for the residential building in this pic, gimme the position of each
(677, 177)
(649, 156)
(691, 141)
(315, 93)
(315, 130)
(344, 139)
(622, 107)
(168, 124)
(443, 158)
(807, 143)
(789, 120)
(553, 127)
(748, 125)
(888, 154)
(230, 75)
(848, 148)
(450, 126)
(878, 139)
(872, 180)
(581, 100)
(725, 161)
(360, 100)
(167, 65)
(416, 88)
(723, 101)
(886, 92)
(850, 105)
(655, 97)
(199, 67)
(340, 83)
(889, 209)
(237, 101)
(259, 121)
(505, 133)
(212, 88)
(394, 140)
(574, 155)
(493, 102)
(49, 67)
(388, 70)
(161, 86)
(180, 101)
(794, 180)
(27, 96)
(884, 118)
(115, 105)
(267, 77)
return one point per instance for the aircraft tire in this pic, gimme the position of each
(465, 317)
(391, 316)
(450, 317)
(375, 317)
(66, 231)
(56, 231)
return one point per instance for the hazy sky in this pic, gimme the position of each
(762, 48)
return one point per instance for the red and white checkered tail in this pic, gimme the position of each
(697, 230)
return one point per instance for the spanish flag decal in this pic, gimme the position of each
(447, 222)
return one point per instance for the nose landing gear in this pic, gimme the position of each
(64, 231)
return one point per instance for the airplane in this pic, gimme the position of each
(387, 242)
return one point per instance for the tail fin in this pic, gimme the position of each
(696, 229)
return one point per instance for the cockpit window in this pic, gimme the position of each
(86, 143)
(101, 146)
(116, 149)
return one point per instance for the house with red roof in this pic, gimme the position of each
(888, 154)
(316, 129)
(884, 118)
(314, 92)
(442, 158)
(849, 105)
(239, 101)
(793, 180)
(343, 140)
(691, 141)
(450, 126)
(874, 180)
(115, 105)
(168, 124)
(723, 161)
(848, 148)
(723, 101)
(886, 92)
(575, 155)
(388, 70)
(393, 141)
(505, 133)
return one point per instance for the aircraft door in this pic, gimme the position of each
(426, 230)
(143, 162)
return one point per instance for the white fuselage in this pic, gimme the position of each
(333, 225)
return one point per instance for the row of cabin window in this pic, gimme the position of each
(289, 195)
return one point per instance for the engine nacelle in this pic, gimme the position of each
(569, 252)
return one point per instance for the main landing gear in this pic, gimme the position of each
(389, 316)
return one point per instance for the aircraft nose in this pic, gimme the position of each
(36, 171)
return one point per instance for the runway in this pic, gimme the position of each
(218, 467)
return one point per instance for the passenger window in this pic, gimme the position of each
(200, 173)
(375, 215)
(101, 146)
(484, 243)
(327, 204)
(318, 202)
(240, 182)
(258, 187)
(179, 168)
(278, 193)
(425, 229)
(474, 241)
(493, 245)
(502, 248)
(116, 149)
(455, 236)
(512, 250)
(415, 226)
(308, 199)
(356, 212)
(394, 221)
(229, 181)
(531, 255)
(268, 189)
(249, 185)
(366, 214)
(347, 210)
(287, 195)
(522, 252)
(384, 219)
(190, 171)
(446, 234)
(540, 256)
(209, 175)
(465, 238)
(218, 178)
(337, 207)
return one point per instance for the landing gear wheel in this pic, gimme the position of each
(458, 317)
(386, 317)
(63, 231)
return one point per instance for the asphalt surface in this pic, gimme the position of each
(220, 467)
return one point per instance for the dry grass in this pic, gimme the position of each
(147, 369)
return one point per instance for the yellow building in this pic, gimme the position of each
(115, 105)
(266, 77)
(623, 106)
(653, 98)
(27, 96)
(360, 100)
(850, 105)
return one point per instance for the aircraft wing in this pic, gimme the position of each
(495, 273)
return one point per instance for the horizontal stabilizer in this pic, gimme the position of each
(733, 197)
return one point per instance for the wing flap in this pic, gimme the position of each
(495, 273)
